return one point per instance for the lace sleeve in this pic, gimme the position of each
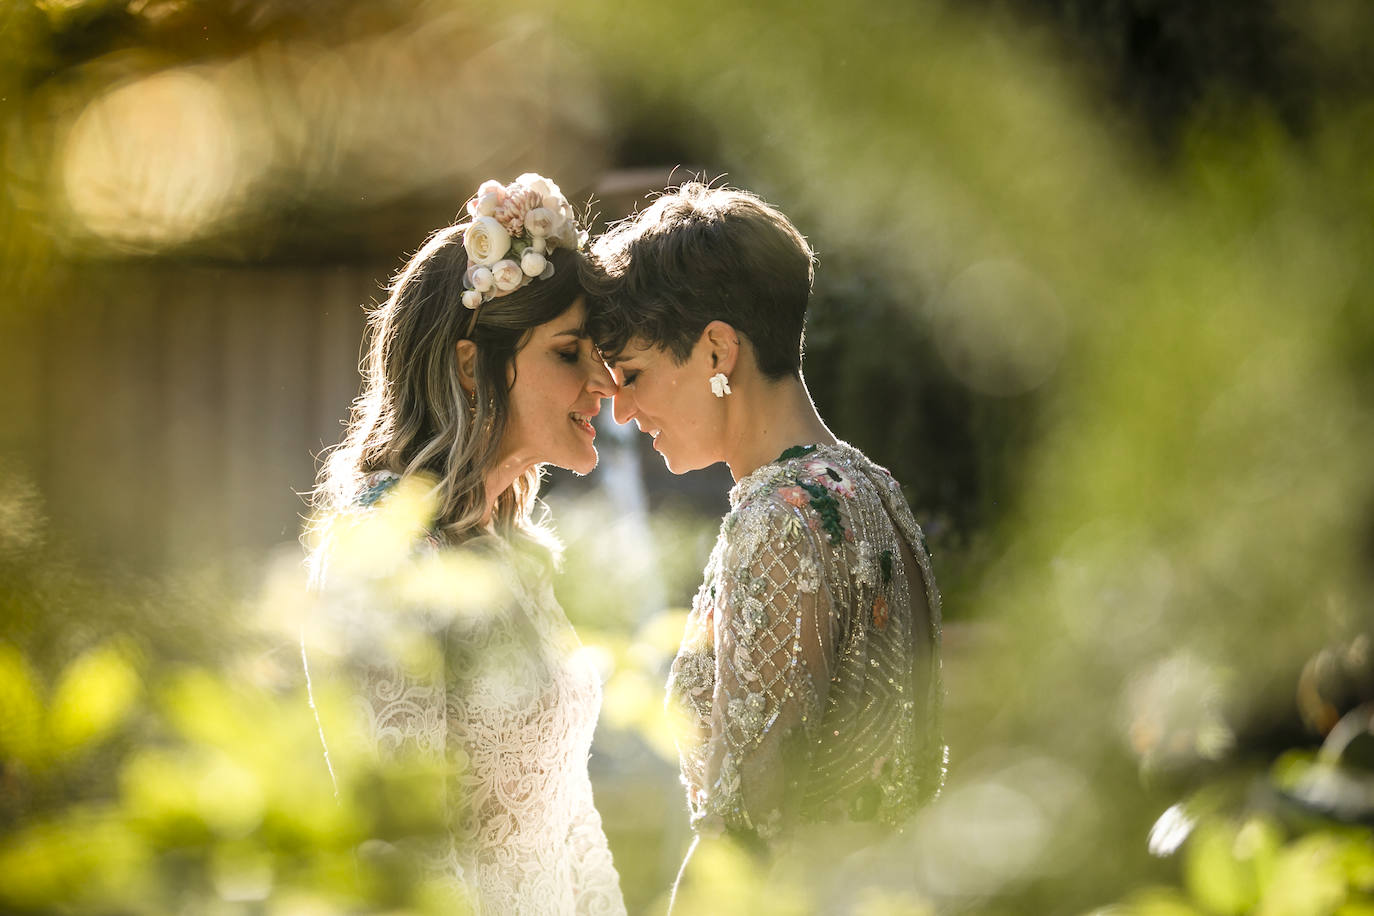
(399, 703)
(597, 884)
(775, 634)
(377, 677)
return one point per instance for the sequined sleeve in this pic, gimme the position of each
(774, 649)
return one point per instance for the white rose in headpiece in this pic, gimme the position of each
(532, 263)
(539, 184)
(541, 221)
(567, 236)
(485, 205)
(481, 278)
(507, 275)
(486, 241)
(488, 197)
(471, 299)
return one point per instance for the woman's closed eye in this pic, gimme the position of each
(570, 356)
(627, 378)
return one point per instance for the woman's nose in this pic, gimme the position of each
(601, 381)
(621, 408)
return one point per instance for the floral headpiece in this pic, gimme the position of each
(514, 227)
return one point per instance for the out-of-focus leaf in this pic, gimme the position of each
(1213, 873)
(158, 792)
(1153, 902)
(724, 879)
(84, 858)
(874, 902)
(229, 796)
(95, 693)
(1308, 879)
(21, 710)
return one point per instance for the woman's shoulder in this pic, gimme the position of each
(373, 529)
(374, 487)
(821, 482)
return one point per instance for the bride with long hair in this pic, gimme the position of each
(478, 371)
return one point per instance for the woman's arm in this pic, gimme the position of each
(775, 634)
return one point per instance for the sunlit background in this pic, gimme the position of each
(1096, 282)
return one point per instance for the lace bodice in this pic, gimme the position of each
(809, 673)
(512, 703)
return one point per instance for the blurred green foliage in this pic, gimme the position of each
(1129, 392)
(142, 775)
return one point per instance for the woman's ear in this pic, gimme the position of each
(723, 343)
(467, 366)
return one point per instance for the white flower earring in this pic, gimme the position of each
(720, 385)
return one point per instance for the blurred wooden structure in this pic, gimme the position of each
(169, 413)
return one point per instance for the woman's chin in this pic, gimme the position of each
(582, 464)
(679, 464)
(675, 467)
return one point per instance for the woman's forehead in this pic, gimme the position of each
(571, 324)
(639, 351)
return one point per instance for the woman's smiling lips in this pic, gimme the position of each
(583, 421)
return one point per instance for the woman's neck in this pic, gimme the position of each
(500, 479)
(769, 418)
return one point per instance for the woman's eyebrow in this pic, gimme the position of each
(579, 332)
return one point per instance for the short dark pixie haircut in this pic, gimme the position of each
(696, 255)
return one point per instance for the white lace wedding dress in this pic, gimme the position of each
(513, 707)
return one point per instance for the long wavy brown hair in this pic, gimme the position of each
(414, 418)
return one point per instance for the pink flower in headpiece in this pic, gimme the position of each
(507, 276)
(511, 213)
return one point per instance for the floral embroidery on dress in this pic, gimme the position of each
(744, 663)
(815, 702)
(880, 612)
(695, 674)
(827, 510)
(828, 475)
(748, 711)
(866, 571)
(753, 614)
(808, 575)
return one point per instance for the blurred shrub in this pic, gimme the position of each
(141, 773)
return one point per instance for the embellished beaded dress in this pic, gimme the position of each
(512, 707)
(809, 673)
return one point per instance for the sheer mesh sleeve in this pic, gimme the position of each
(774, 651)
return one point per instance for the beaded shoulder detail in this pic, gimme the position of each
(815, 475)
